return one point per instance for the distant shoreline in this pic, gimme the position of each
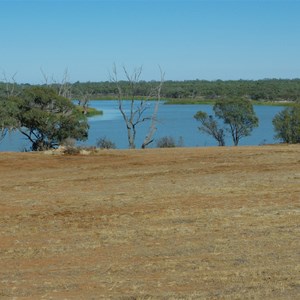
(187, 101)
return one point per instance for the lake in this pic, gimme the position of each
(173, 120)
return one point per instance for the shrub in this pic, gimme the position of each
(71, 150)
(105, 143)
(166, 142)
(69, 142)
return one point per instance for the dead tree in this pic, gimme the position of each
(63, 87)
(10, 85)
(152, 128)
(83, 101)
(138, 107)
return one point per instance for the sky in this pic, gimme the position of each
(187, 39)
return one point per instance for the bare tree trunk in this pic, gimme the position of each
(3, 132)
(152, 129)
(83, 101)
(137, 107)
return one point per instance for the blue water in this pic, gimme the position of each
(173, 120)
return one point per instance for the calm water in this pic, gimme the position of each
(173, 120)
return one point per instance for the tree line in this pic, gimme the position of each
(189, 90)
(258, 90)
(203, 90)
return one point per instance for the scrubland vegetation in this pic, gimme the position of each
(199, 91)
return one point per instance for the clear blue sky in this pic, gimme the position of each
(189, 39)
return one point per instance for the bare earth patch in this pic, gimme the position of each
(190, 223)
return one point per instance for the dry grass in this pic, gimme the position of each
(206, 223)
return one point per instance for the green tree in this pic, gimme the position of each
(8, 91)
(46, 118)
(287, 124)
(210, 126)
(7, 111)
(239, 115)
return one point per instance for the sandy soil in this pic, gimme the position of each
(194, 223)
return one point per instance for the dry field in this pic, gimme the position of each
(194, 223)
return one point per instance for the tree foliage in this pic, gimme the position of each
(187, 90)
(287, 125)
(210, 126)
(45, 118)
(199, 90)
(238, 115)
(7, 111)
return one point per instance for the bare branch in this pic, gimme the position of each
(63, 86)
(138, 108)
(83, 101)
(10, 84)
(3, 132)
(45, 76)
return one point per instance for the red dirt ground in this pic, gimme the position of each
(185, 223)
